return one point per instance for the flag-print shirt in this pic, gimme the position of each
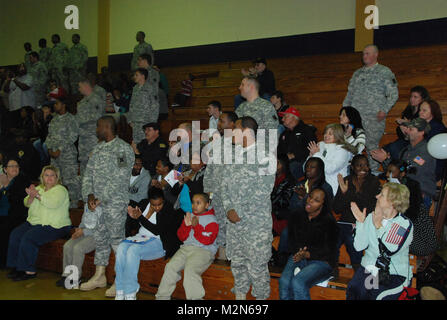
(393, 235)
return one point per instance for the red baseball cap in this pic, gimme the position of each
(290, 110)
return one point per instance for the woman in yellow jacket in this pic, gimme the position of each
(48, 220)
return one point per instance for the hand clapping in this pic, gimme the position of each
(359, 215)
(313, 147)
(341, 182)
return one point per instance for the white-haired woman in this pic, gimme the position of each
(385, 235)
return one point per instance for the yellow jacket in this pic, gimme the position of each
(52, 209)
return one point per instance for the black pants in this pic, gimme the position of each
(362, 287)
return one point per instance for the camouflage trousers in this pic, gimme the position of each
(374, 131)
(137, 131)
(74, 76)
(109, 231)
(249, 253)
(221, 218)
(60, 76)
(68, 166)
(40, 94)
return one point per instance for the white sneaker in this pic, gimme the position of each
(132, 296)
(119, 295)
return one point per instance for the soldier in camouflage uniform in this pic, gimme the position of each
(260, 109)
(44, 52)
(57, 62)
(89, 110)
(373, 92)
(144, 107)
(62, 135)
(107, 179)
(27, 59)
(141, 48)
(245, 190)
(100, 91)
(39, 72)
(213, 177)
(77, 63)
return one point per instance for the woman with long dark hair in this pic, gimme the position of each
(351, 121)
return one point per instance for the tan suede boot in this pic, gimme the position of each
(111, 292)
(97, 281)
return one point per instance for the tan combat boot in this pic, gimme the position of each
(97, 281)
(221, 255)
(111, 292)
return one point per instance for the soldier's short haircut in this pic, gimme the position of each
(376, 49)
(204, 196)
(34, 54)
(92, 78)
(85, 80)
(56, 36)
(42, 42)
(77, 36)
(63, 100)
(146, 57)
(253, 80)
(27, 43)
(143, 72)
(144, 35)
(250, 123)
(216, 104)
(111, 121)
(231, 115)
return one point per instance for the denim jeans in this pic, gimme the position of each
(296, 287)
(24, 243)
(43, 152)
(346, 237)
(127, 262)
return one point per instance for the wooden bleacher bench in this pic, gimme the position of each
(217, 279)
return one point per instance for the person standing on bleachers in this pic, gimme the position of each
(39, 73)
(107, 179)
(265, 78)
(260, 109)
(89, 110)
(44, 52)
(27, 59)
(141, 48)
(142, 109)
(77, 63)
(373, 92)
(245, 190)
(57, 61)
(214, 111)
(63, 132)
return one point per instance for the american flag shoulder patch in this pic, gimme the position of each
(396, 234)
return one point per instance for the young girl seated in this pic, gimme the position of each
(198, 233)
(335, 152)
(360, 187)
(156, 238)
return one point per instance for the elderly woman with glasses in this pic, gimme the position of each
(48, 220)
(12, 210)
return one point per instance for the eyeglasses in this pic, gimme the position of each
(13, 166)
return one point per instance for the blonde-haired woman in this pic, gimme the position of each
(335, 152)
(385, 235)
(48, 220)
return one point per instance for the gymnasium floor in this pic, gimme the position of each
(44, 288)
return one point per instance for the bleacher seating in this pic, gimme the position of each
(316, 85)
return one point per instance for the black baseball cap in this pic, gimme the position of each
(153, 125)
